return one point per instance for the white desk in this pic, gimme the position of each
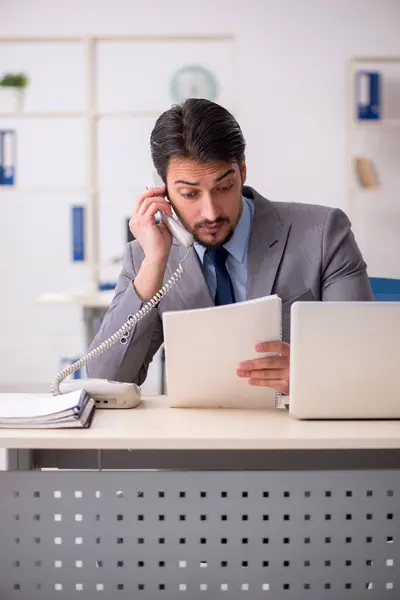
(155, 426)
(93, 304)
(173, 503)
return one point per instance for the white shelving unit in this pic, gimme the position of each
(375, 214)
(90, 116)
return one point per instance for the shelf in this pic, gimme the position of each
(50, 189)
(118, 38)
(136, 114)
(42, 114)
(81, 298)
(73, 189)
(386, 195)
(376, 59)
(40, 39)
(379, 124)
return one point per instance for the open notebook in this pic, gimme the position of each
(203, 349)
(30, 411)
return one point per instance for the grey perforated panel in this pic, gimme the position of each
(172, 535)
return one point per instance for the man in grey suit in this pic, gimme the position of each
(245, 247)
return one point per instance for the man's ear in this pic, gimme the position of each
(243, 170)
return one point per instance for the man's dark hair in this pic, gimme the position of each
(197, 129)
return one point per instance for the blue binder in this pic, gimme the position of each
(1, 157)
(7, 157)
(78, 233)
(368, 95)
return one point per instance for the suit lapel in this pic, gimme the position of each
(192, 286)
(266, 246)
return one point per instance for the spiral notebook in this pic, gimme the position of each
(203, 349)
(32, 411)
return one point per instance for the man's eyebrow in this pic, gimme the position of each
(194, 183)
(185, 182)
(228, 172)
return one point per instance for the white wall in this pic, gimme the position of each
(290, 71)
(290, 98)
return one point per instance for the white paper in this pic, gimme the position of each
(28, 406)
(205, 346)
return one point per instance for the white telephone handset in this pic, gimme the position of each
(182, 236)
(116, 394)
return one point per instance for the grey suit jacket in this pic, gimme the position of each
(297, 251)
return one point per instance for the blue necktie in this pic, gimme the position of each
(224, 293)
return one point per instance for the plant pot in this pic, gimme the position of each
(11, 99)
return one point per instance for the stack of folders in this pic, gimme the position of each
(29, 411)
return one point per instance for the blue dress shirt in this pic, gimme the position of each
(236, 263)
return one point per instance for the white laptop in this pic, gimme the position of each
(345, 360)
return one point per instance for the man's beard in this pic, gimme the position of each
(217, 221)
(206, 223)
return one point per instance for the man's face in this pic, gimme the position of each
(207, 197)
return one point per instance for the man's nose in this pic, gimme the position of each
(209, 210)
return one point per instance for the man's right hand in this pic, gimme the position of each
(155, 240)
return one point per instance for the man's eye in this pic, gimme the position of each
(189, 194)
(225, 188)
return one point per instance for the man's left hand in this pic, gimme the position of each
(271, 371)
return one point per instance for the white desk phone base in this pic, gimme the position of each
(107, 394)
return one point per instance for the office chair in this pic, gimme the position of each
(385, 289)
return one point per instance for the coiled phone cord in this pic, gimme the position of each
(126, 327)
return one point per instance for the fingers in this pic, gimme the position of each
(268, 362)
(265, 376)
(151, 193)
(281, 385)
(281, 348)
(144, 217)
(263, 373)
(268, 371)
(150, 206)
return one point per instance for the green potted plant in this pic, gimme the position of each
(12, 87)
